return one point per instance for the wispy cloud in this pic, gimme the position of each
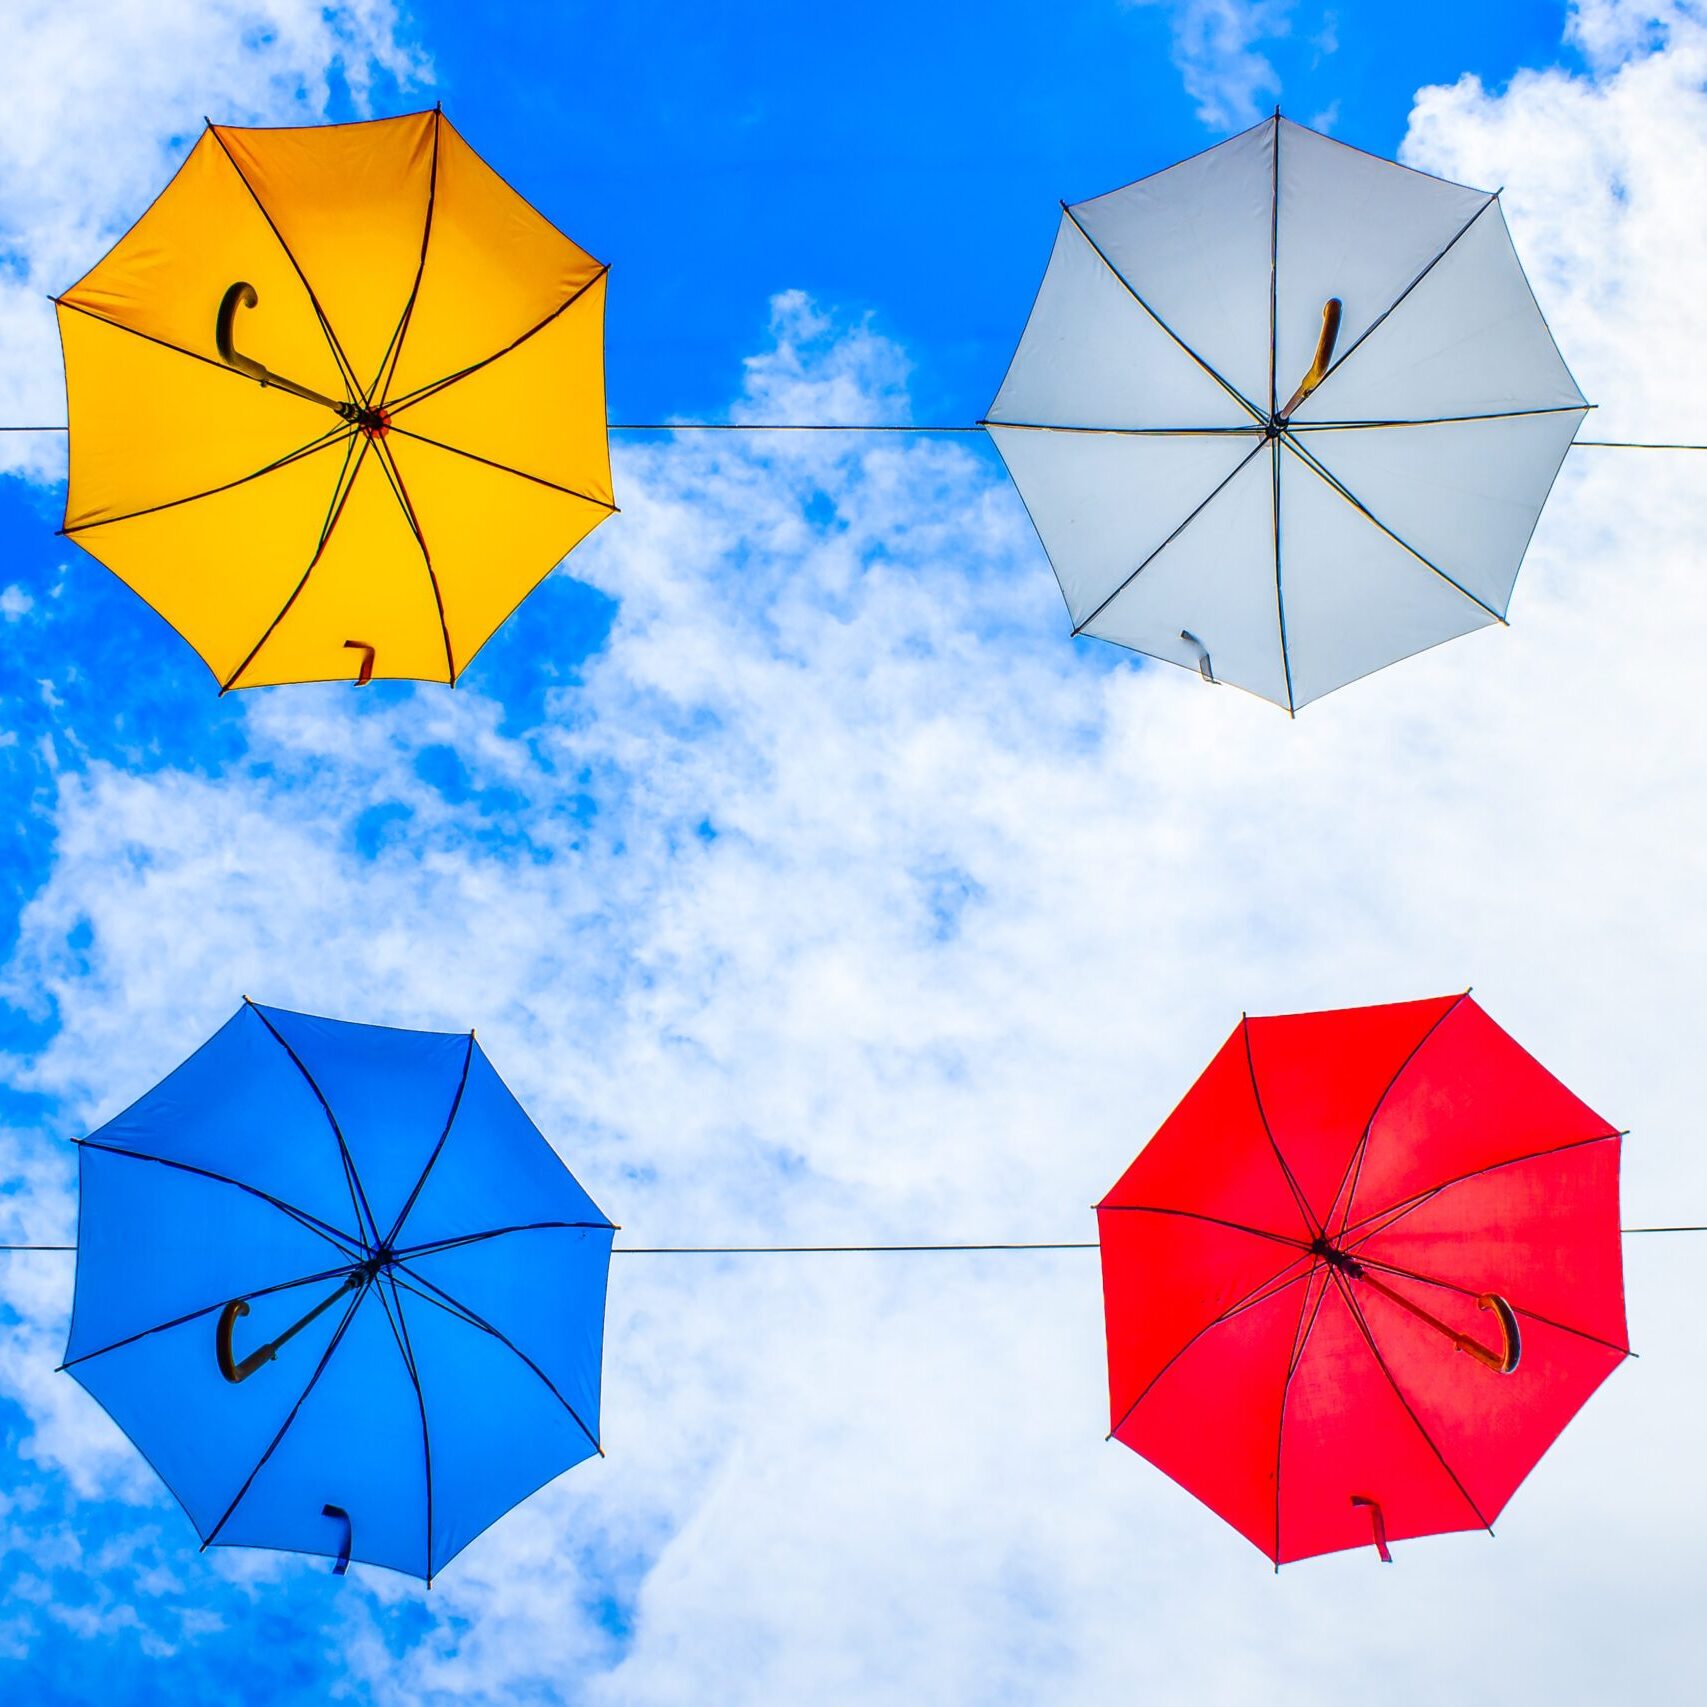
(1217, 46)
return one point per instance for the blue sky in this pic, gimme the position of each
(807, 883)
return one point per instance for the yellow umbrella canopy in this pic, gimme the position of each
(336, 402)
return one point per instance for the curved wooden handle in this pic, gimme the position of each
(1324, 354)
(242, 295)
(232, 1370)
(1502, 1362)
(1511, 1348)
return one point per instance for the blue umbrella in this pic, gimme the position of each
(339, 1291)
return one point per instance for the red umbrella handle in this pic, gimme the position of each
(1502, 1362)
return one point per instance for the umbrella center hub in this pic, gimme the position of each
(1272, 427)
(1335, 1258)
(377, 1264)
(375, 422)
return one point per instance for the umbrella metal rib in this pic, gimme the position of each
(1356, 1308)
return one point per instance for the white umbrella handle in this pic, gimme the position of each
(1324, 355)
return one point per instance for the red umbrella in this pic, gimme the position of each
(1363, 1276)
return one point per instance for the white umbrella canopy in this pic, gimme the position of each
(1200, 499)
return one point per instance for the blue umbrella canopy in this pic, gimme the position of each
(339, 1291)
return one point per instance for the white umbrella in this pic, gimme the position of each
(1285, 413)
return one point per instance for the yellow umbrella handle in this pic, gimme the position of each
(242, 295)
(1324, 355)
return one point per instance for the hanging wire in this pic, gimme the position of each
(778, 427)
(821, 1250)
(859, 1250)
(898, 427)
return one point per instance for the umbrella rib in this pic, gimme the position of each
(1476, 1292)
(1399, 1393)
(1310, 461)
(504, 467)
(346, 368)
(455, 1307)
(422, 393)
(1314, 1226)
(1296, 427)
(394, 349)
(1398, 1210)
(324, 442)
(1079, 628)
(1380, 319)
(341, 491)
(1279, 595)
(434, 1246)
(147, 337)
(1213, 1220)
(394, 479)
(1300, 1344)
(400, 1333)
(272, 1446)
(1264, 1290)
(332, 1235)
(1122, 432)
(1232, 391)
(1354, 1164)
(358, 1197)
(1273, 393)
(205, 1310)
(450, 1121)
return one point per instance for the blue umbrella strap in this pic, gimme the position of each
(343, 1517)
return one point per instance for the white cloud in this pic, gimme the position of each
(975, 911)
(101, 101)
(1217, 48)
(1610, 32)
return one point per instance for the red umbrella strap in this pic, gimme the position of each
(1378, 1523)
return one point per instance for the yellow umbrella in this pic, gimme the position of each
(427, 435)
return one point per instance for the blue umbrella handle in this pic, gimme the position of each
(230, 1368)
(338, 1511)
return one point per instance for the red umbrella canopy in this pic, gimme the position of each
(1363, 1276)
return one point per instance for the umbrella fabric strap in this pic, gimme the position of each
(234, 1371)
(337, 1512)
(1502, 1362)
(1378, 1523)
